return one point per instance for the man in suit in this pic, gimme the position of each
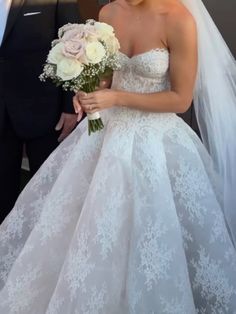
(32, 113)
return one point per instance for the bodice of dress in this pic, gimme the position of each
(147, 72)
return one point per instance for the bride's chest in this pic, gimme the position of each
(151, 64)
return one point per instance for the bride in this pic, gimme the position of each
(136, 218)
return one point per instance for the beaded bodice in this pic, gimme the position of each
(145, 72)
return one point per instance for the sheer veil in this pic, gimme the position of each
(215, 104)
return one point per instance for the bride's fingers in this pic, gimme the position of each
(90, 108)
(92, 95)
(92, 111)
(76, 104)
(88, 102)
(81, 94)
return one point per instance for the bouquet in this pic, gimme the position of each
(82, 54)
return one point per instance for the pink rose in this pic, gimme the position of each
(73, 34)
(69, 27)
(73, 49)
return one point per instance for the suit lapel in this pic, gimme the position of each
(16, 6)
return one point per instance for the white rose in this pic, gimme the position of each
(104, 30)
(112, 44)
(68, 69)
(55, 54)
(95, 52)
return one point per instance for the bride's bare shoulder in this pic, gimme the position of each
(110, 11)
(181, 29)
(179, 16)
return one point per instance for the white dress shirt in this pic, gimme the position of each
(4, 10)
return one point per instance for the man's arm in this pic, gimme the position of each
(67, 12)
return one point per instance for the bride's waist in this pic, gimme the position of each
(140, 117)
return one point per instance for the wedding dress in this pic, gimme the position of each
(128, 220)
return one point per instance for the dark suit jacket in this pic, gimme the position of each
(33, 107)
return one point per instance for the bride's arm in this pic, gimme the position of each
(182, 42)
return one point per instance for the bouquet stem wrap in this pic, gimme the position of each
(94, 120)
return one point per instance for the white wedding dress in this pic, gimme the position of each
(128, 220)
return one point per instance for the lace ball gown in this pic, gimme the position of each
(128, 220)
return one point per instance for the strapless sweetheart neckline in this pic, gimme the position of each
(159, 50)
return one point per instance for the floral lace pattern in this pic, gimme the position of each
(128, 220)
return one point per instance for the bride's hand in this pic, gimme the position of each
(104, 84)
(77, 107)
(98, 100)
